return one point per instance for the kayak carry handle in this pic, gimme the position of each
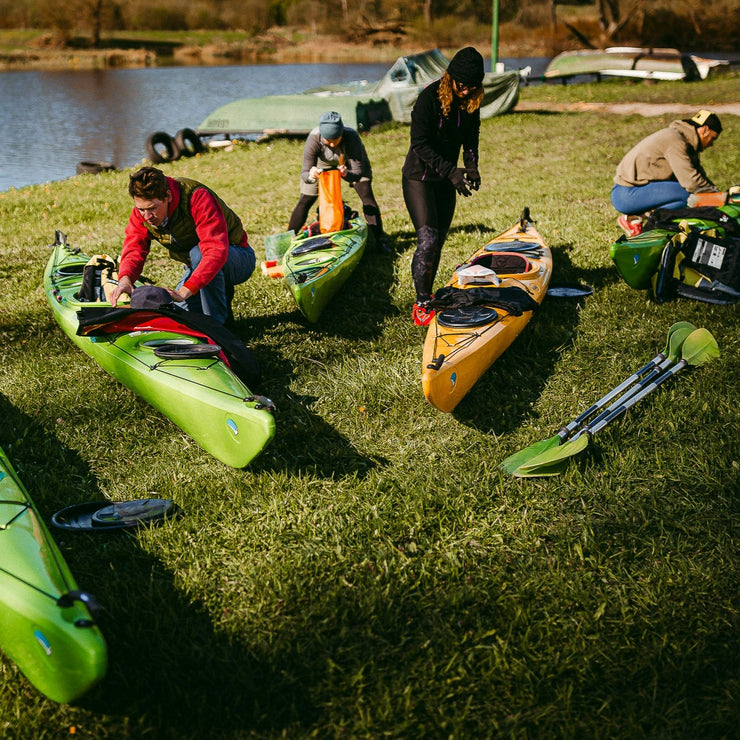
(67, 600)
(437, 364)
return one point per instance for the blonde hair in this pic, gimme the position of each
(447, 95)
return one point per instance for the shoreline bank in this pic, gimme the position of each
(266, 49)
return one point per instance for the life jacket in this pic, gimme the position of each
(179, 234)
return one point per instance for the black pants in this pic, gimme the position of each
(370, 208)
(431, 206)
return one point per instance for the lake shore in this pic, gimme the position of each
(271, 47)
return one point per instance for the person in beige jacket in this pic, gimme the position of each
(664, 169)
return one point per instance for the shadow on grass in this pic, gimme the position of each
(167, 667)
(354, 312)
(504, 395)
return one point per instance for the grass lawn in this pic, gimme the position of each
(374, 573)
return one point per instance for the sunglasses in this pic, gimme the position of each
(465, 88)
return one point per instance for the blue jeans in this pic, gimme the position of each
(214, 299)
(641, 198)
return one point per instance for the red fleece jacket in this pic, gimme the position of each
(210, 225)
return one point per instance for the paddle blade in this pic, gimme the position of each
(511, 463)
(552, 457)
(676, 342)
(699, 348)
(543, 471)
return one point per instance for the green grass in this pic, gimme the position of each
(373, 573)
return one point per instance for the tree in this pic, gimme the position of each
(613, 16)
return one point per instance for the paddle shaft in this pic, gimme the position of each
(630, 402)
(574, 425)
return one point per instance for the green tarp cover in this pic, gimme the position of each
(361, 104)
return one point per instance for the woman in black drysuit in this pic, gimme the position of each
(445, 118)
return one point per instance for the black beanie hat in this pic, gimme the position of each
(466, 67)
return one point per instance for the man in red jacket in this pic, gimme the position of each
(198, 229)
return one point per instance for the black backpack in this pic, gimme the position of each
(701, 266)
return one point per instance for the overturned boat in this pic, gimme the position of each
(632, 61)
(361, 104)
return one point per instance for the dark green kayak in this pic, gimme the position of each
(637, 258)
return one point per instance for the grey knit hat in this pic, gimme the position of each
(330, 125)
(466, 67)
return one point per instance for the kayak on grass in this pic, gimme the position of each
(46, 625)
(316, 266)
(190, 368)
(482, 309)
(637, 258)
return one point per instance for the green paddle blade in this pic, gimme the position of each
(513, 462)
(676, 342)
(546, 470)
(540, 464)
(700, 347)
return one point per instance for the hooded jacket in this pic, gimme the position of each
(669, 154)
(436, 140)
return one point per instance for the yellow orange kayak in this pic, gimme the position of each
(482, 309)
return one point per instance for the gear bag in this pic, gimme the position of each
(99, 278)
(331, 206)
(700, 266)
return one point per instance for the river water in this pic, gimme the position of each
(51, 121)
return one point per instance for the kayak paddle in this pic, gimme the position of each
(699, 348)
(673, 346)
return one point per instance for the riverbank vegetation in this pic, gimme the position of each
(374, 573)
(42, 33)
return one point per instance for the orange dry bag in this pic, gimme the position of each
(331, 206)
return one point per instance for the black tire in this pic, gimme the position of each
(188, 142)
(161, 148)
(94, 168)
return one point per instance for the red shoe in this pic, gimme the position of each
(422, 314)
(631, 225)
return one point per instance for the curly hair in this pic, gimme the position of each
(148, 183)
(447, 95)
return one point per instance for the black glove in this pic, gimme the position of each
(457, 177)
(473, 177)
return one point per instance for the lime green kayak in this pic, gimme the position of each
(177, 370)
(637, 258)
(46, 627)
(316, 267)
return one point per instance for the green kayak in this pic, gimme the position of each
(316, 267)
(46, 627)
(637, 258)
(179, 370)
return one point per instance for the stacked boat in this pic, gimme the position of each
(361, 103)
(634, 62)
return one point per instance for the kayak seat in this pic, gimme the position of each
(312, 244)
(503, 263)
(466, 316)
